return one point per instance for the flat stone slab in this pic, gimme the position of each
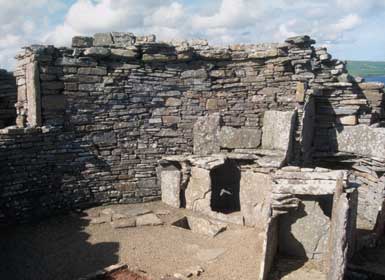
(128, 213)
(204, 226)
(362, 140)
(124, 223)
(148, 220)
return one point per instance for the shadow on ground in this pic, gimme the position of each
(57, 248)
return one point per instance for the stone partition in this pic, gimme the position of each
(7, 99)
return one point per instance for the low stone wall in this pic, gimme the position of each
(7, 99)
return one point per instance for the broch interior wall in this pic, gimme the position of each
(94, 120)
(120, 118)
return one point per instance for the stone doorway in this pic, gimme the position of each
(225, 185)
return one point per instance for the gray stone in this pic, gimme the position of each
(123, 39)
(103, 40)
(255, 198)
(106, 138)
(338, 244)
(33, 94)
(304, 187)
(194, 74)
(126, 53)
(82, 42)
(170, 184)
(98, 71)
(371, 86)
(205, 226)
(277, 130)
(304, 232)
(206, 135)
(148, 220)
(97, 52)
(198, 190)
(234, 138)
(352, 138)
(297, 40)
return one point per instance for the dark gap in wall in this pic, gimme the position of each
(326, 204)
(225, 184)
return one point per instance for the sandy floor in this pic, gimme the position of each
(69, 247)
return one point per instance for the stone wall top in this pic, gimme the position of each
(123, 45)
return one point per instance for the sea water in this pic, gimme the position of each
(375, 79)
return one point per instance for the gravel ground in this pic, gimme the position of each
(69, 247)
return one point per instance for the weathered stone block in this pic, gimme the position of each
(126, 53)
(277, 130)
(101, 71)
(103, 40)
(194, 74)
(170, 184)
(123, 39)
(300, 92)
(347, 120)
(255, 198)
(198, 190)
(148, 220)
(82, 42)
(97, 52)
(212, 104)
(362, 140)
(106, 138)
(206, 135)
(234, 138)
(371, 86)
(173, 102)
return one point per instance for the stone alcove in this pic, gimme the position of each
(225, 186)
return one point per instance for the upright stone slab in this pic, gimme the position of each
(33, 94)
(206, 135)
(277, 130)
(170, 184)
(198, 192)
(239, 138)
(254, 196)
(304, 232)
(338, 235)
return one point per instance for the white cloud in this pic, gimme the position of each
(347, 23)
(332, 22)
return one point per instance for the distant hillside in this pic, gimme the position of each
(366, 68)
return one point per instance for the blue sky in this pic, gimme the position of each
(350, 29)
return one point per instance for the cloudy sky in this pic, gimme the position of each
(351, 29)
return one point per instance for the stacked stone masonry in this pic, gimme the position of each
(94, 120)
(7, 99)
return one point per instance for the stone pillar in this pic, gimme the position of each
(33, 94)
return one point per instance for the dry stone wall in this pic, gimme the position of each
(94, 120)
(7, 99)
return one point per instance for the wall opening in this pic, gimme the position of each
(225, 182)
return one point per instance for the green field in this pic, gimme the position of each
(366, 68)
